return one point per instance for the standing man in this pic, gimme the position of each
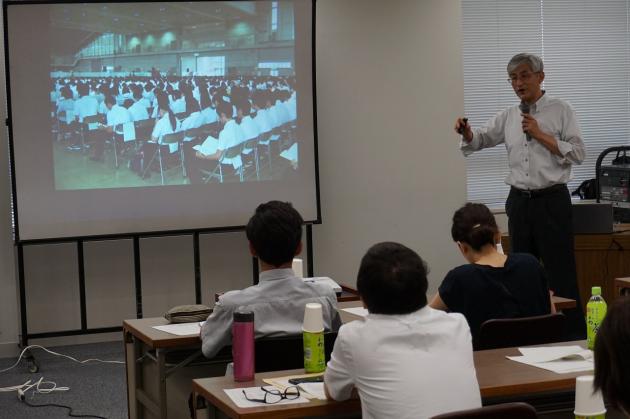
(543, 139)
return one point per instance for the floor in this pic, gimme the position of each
(74, 169)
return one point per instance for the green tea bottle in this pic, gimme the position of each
(595, 313)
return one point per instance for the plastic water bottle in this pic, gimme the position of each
(243, 345)
(595, 313)
(313, 335)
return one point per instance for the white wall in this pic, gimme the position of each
(389, 85)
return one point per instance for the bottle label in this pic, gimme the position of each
(595, 313)
(314, 358)
(603, 416)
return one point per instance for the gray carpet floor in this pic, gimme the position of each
(95, 388)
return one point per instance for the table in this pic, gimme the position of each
(153, 356)
(500, 380)
(599, 259)
(147, 350)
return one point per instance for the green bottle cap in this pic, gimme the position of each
(596, 290)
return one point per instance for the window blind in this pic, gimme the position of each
(585, 47)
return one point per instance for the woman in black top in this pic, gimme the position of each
(492, 285)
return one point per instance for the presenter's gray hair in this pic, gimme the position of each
(533, 61)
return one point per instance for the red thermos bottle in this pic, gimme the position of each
(243, 345)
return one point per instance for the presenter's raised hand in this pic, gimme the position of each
(462, 128)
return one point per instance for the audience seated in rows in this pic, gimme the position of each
(492, 285)
(406, 360)
(278, 300)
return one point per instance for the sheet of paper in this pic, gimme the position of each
(129, 131)
(326, 281)
(283, 382)
(208, 147)
(238, 398)
(558, 359)
(555, 353)
(314, 389)
(357, 311)
(559, 367)
(291, 153)
(180, 329)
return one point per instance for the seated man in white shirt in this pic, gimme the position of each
(138, 109)
(406, 360)
(210, 152)
(116, 115)
(275, 237)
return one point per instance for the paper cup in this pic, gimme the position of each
(587, 403)
(298, 270)
(313, 320)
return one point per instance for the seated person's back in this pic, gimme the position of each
(406, 360)
(274, 233)
(492, 285)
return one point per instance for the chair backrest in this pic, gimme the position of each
(251, 143)
(181, 116)
(144, 128)
(174, 137)
(193, 132)
(286, 352)
(93, 118)
(497, 411)
(536, 330)
(232, 152)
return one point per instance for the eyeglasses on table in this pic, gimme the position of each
(275, 396)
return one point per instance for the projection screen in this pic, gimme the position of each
(147, 117)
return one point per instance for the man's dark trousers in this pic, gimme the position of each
(540, 223)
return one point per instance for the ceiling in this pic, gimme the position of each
(77, 24)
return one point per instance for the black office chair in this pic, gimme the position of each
(497, 411)
(286, 352)
(536, 330)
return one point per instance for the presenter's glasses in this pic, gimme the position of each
(274, 396)
(524, 76)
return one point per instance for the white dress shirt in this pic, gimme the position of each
(248, 130)
(415, 365)
(86, 106)
(138, 111)
(228, 137)
(262, 121)
(210, 115)
(163, 127)
(118, 115)
(532, 165)
(278, 303)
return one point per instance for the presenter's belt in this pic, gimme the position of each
(535, 193)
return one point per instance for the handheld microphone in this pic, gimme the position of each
(524, 107)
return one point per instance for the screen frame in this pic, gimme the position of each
(171, 232)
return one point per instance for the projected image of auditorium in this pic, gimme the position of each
(152, 94)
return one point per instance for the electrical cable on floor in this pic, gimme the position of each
(58, 354)
(70, 410)
(47, 387)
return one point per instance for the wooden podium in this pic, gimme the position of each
(599, 259)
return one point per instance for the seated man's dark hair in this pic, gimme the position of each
(225, 108)
(275, 232)
(475, 225)
(612, 360)
(110, 100)
(83, 89)
(392, 279)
